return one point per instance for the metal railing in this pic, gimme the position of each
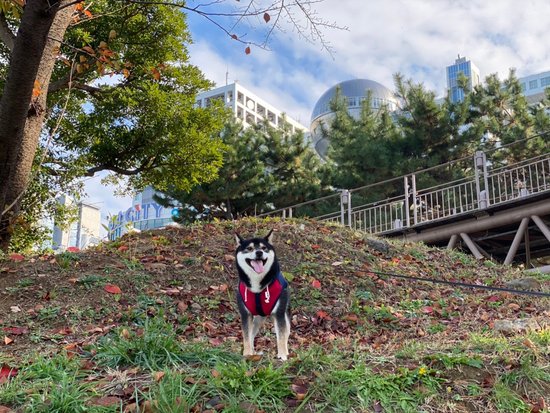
(484, 187)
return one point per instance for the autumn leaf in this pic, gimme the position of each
(323, 315)
(88, 13)
(89, 50)
(267, 17)
(158, 375)
(6, 372)
(156, 73)
(299, 391)
(112, 34)
(316, 284)
(17, 257)
(112, 289)
(126, 73)
(123, 248)
(7, 340)
(73, 249)
(106, 401)
(234, 36)
(16, 331)
(247, 50)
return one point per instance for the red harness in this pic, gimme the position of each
(262, 303)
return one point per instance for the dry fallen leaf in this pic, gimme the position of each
(112, 289)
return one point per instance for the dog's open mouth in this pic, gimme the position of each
(257, 265)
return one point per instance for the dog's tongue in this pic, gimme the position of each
(258, 265)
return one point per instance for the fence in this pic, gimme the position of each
(480, 188)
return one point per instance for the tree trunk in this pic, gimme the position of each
(23, 103)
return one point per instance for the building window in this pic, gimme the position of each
(533, 84)
(271, 117)
(240, 114)
(523, 87)
(545, 81)
(229, 96)
(260, 110)
(250, 118)
(240, 97)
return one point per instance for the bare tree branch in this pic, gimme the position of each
(310, 30)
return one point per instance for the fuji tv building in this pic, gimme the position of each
(355, 91)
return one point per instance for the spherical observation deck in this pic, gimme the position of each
(355, 91)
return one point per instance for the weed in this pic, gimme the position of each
(410, 350)
(395, 392)
(265, 387)
(436, 328)
(25, 282)
(66, 259)
(48, 313)
(92, 280)
(156, 347)
(507, 400)
(380, 314)
(160, 240)
(132, 264)
(175, 393)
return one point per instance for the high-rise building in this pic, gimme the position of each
(534, 86)
(248, 107)
(469, 70)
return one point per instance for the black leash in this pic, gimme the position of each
(462, 284)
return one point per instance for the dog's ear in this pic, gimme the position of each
(239, 239)
(269, 237)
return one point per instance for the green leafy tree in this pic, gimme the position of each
(361, 150)
(263, 168)
(429, 133)
(499, 115)
(118, 74)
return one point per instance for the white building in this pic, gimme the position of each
(82, 233)
(534, 86)
(145, 213)
(248, 107)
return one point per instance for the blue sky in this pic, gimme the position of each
(417, 38)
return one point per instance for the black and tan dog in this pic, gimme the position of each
(262, 292)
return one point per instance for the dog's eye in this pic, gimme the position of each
(250, 248)
(264, 248)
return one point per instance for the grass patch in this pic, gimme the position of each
(362, 388)
(154, 347)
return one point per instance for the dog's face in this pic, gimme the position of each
(255, 256)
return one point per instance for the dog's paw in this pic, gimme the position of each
(253, 357)
(282, 357)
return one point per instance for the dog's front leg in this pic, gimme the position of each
(248, 337)
(282, 330)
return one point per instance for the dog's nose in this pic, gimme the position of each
(259, 254)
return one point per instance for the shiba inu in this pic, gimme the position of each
(262, 292)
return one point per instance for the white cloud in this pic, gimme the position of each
(417, 38)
